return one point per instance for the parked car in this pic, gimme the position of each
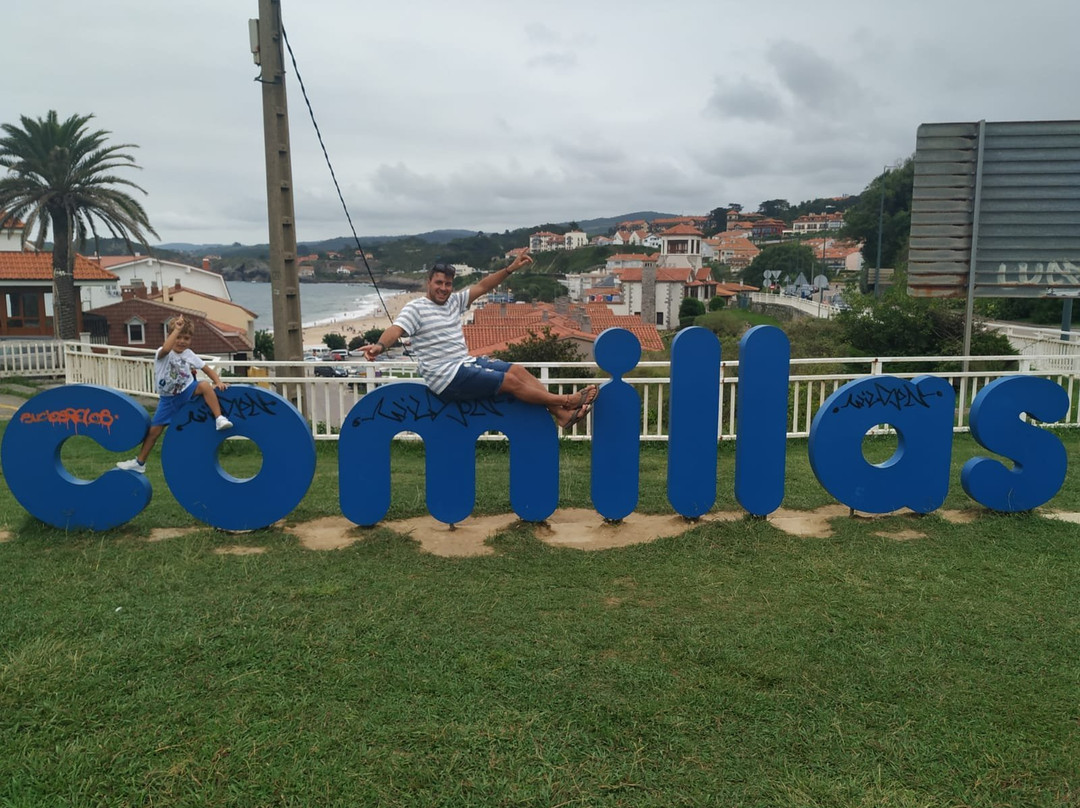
(337, 355)
(331, 371)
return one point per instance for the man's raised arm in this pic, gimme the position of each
(496, 278)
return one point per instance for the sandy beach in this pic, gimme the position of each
(313, 335)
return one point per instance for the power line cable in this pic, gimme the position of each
(333, 175)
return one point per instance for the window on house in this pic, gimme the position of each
(136, 332)
(23, 310)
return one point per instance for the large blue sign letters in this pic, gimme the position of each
(916, 476)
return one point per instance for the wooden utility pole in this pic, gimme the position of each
(284, 275)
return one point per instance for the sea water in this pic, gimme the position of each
(320, 303)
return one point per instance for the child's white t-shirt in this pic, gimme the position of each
(173, 371)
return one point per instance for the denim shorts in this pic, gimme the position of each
(479, 379)
(168, 405)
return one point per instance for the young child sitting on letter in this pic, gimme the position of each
(174, 375)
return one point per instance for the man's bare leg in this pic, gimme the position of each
(522, 385)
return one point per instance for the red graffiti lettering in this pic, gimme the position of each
(71, 417)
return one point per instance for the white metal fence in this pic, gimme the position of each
(814, 306)
(326, 401)
(31, 358)
(1056, 350)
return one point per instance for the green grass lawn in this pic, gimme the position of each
(732, 665)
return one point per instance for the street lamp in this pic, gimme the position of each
(881, 227)
(880, 231)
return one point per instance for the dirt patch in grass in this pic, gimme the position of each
(465, 539)
(587, 530)
(163, 533)
(1062, 516)
(900, 535)
(579, 528)
(811, 524)
(5, 535)
(328, 533)
(239, 549)
(958, 517)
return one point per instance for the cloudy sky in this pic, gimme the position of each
(489, 115)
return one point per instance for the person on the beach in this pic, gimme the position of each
(174, 374)
(433, 325)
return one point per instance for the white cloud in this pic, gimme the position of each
(477, 115)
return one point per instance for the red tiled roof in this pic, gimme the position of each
(735, 287)
(493, 333)
(682, 230)
(663, 275)
(647, 335)
(37, 266)
(211, 337)
(108, 261)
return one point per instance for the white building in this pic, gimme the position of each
(153, 273)
(670, 288)
(576, 284)
(680, 247)
(11, 236)
(574, 239)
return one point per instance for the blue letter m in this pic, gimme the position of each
(449, 431)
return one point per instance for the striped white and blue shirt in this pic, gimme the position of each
(436, 338)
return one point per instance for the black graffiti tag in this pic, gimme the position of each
(900, 397)
(241, 407)
(411, 409)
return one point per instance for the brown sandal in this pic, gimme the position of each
(579, 415)
(584, 397)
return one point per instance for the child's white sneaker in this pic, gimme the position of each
(132, 465)
(221, 422)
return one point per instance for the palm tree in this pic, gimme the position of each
(60, 177)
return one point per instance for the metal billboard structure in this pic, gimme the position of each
(996, 210)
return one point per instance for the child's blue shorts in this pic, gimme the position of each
(168, 405)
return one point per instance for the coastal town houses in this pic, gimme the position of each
(839, 256)
(767, 229)
(734, 249)
(815, 222)
(214, 308)
(153, 272)
(544, 241)
(575, 239)
(143, 317)
(635, 238)
(199, 292)
(659, 224)
(680, 246)
(655, 293)
(26, 284)
(652, 286)
(496, 326)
